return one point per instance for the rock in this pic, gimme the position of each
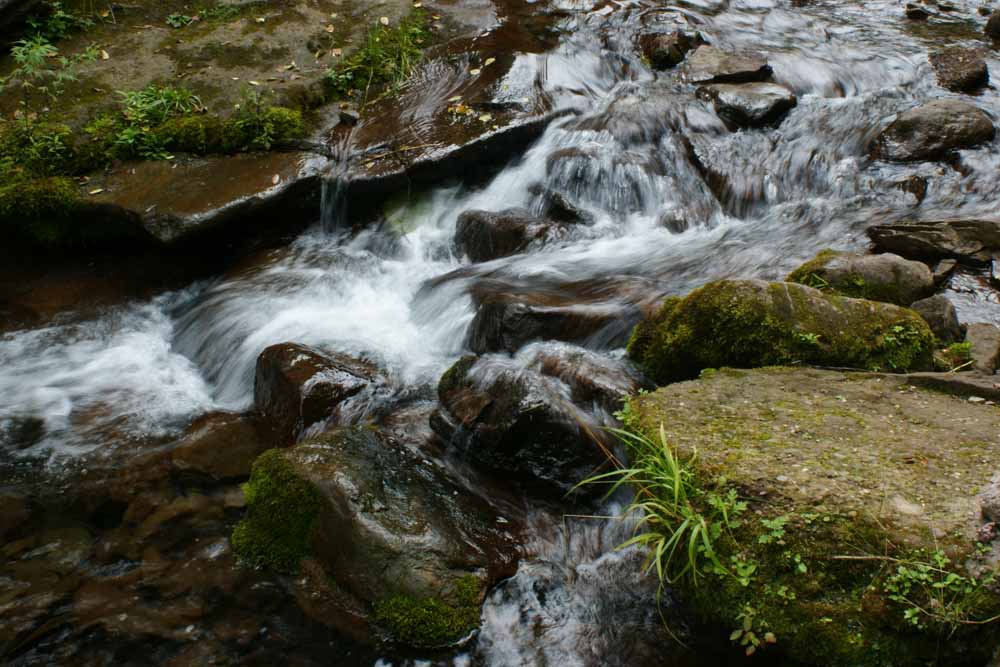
(21, 432)
(915, 12)
(14, 10)
(941, 317)
(674, 221)
(932, 131)
(967, 241)
(984, 341)
(506, 323)
(709, 64)
(916, 186)
(389, 528)
(993, 25)
(14, 511)
(749, 104)
(296, 386)
(966, 385)
(750, 323)
(667, 50)
(349, 117)
(560, 209)
(513, 421)
(816, 451)
(884, 277)
(960, 70)
(484, 236)
(221, 445)
(943, 270)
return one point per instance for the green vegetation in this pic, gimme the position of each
(281, 510)
(41, 70)
(431, 622)
(387, 57)
(747, 324)
(955, 357)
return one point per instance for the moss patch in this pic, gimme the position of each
(281, 510)
(748, 324)
(432, 622)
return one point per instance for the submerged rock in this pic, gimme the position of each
(884, 277)
(296, 386)
(967, 241)
(854, 484)
(667, 50)
(941, 317)
(222, 445)
(709, 64)
(749, 323)
(484, 236)
(932, 131)
(960, 70)
(750, 104)
(400, 542)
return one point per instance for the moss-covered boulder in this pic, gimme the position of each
(884, 277)
(750, 323)
(395, 536)
(865, 530)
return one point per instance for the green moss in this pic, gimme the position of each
(199, 135)
(811, 272)
(745, 324)
(38, 211)
(281, 510)
(432, 622)
(261, 129)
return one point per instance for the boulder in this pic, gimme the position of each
(984, 346)
(297, 386)
(749, 104)
(484, 235)
(507, 323)
(960, 70)
(941, 317)
(993, 25)
(854, 484)
(750, 323)
(560, 209)
(516, 422)
(667, 50)
(933, 131)
(221, 445)
(884, 277)
(709, 64)
(388, 527)
(967, 241)
(943, 271)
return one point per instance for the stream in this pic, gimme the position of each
(398, 295)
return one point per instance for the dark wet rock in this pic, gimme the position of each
(967, 241)
(916, 13)
(21, 432)
(389, 528)
(221, 445)
(933, 131)
(485, 235)
(750, 104)
(296, 386)
(751, 323)
(885, 277)
(559, 208)
(941, 317)
(709, 64)
(14, 511)
(637, 116)
(507, 323)
(518, 423)
(674, 221)
(14, 316)
(993, 25)
(916, 186)
(14, 10)
(667, 50)
(349, 117)
(984, 341)
(960, 70)
(943, 271)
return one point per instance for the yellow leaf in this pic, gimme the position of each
(104, 55)
(336, 53)
(97, 191)
(475, 72)
(254, 83)
(276, 179)
(489, 61)
(384, 20)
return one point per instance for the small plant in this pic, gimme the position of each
(259, 125)
(41, 69)
(179, 20)
(807, 339)
(751, 634)
(775, 530)
(154, 104)
(58, 24)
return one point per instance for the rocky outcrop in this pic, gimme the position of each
(296, 386)
(749, 104)
(750, 323)
(960, 70)
(968, 241)
(886, 277)
(483, 236)
(984, 346)
(404, 547)
(933, 131)
(667, 50)
(709, 64)
(941, 317)
(854, 484)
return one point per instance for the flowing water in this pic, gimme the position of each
(399, 296)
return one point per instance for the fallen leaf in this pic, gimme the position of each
(236, 78)
(475, 72)
(260, 19)
(97, 191)
(384, 20)
(104, 13)
(329, 28)
(333, 15)
(104, 55)
(436, 17)
(275, 179)
(489, 61)
(254, 83)
(336, 53)
(485, 118)
(418, 5)
(457, 98)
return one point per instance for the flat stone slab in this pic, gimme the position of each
(709, 64)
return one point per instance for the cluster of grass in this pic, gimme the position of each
(387, 57)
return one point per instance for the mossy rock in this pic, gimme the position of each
(864, 495)
(196, 134)
(885, 277)
(262, 131)
(752, 323)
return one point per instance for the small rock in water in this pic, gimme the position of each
(667, 50)
(960, 70)
(709, 64)
(750, 104)
(916, 12)
(993, 25)
(932, 131)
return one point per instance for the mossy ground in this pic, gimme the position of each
(748, 324)
(847, 479)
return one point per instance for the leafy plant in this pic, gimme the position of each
(179, 20)
(259, 125)
(751, 634)
(58, 24)
(40, 67)
(154, 104)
